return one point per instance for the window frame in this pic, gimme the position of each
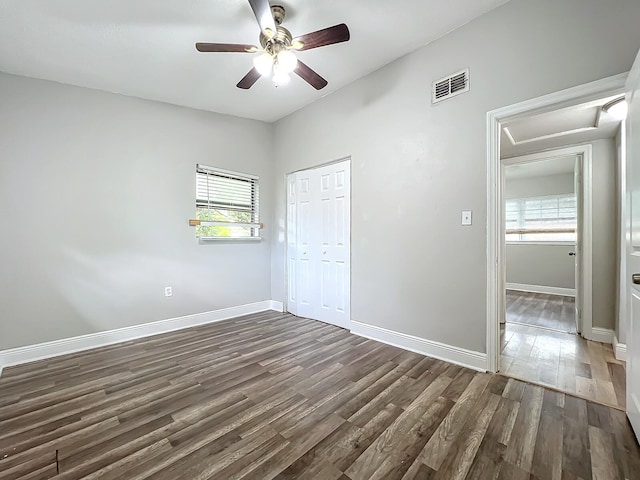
(521, 229)
(207, 203)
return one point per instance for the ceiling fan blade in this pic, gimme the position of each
(226, 47)
(327, 36)
(310, 76)
(262, 11)
(249, 79)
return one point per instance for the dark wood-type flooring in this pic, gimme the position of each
(275, 396)
(556, 312)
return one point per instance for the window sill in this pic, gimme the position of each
(229, 239)
(550, 243)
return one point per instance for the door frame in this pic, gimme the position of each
(495, 238)
(584, 153)
(286, 226)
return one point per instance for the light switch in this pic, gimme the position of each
(466, 217)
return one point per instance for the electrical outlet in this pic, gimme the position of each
(466, 217)
(168, 291)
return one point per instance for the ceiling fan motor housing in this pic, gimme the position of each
(281, 41)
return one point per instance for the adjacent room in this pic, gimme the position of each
(252, 239)
(563, 234)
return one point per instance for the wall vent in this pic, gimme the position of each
(450, 86)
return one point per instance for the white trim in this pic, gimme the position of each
(520, 287)
(551, 243)
(441, 351)
(228, 239)
(515, 142)
(222, 171)
(623, 318)
(604, 335)
(495, 234)
(31, 353)
(619, 349)
(277, 306)
(585, 250)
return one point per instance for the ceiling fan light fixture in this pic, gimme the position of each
(280, 77)
(617, 108)
(287, 61)
(263, 64)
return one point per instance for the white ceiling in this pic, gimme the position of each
(566, 126)
(543, 168)
(145, 48)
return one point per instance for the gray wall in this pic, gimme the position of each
(604, 233)
(544, 265)
(538, 186)
(533, 264)
(415, 166)
(95, 193)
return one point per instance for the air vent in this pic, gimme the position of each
(450, 86)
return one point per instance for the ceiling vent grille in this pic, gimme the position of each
(450, 86)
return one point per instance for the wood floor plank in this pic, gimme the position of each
(547, 456)
(523, 436)
(271, 395)
(603, 457)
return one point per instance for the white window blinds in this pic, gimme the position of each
(227, 203)
(548, 218)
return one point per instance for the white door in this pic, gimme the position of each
(306, 253)
(577, 251)
(633, 248)
(292, 251)
(334, 201)
(318, 226)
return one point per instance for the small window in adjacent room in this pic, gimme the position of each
(551, 218)
(226, 204)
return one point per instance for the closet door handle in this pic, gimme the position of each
(572, 254)
(635, 278)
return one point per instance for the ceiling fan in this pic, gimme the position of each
(278, 59)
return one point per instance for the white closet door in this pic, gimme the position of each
(318, 244)
(334, 260)
(292, 255)
(306, 251)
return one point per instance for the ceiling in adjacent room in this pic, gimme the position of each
(145, 48)
(572, 125)
(543, 168)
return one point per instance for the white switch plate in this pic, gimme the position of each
(466, 217)
(168, 291)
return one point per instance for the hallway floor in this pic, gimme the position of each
(556, 312)
(563, 361)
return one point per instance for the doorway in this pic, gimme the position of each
(547, 242)
(319, 243)
(596, 373)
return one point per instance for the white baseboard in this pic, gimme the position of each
(31, 353)
(567, 292)
(619, 349)
(603, 335)
(277, 306)
(441, 351)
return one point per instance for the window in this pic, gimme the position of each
(226, 204)
(541, 219)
